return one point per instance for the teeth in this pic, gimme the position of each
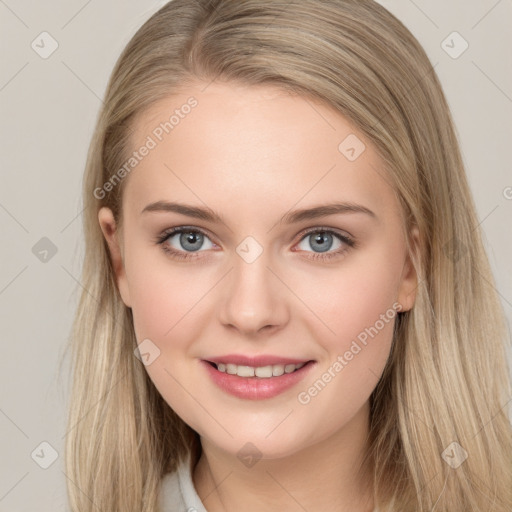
(263, 372)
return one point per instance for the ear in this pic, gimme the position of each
(409, 278)
(109, 229)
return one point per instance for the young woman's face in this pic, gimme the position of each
(270, 284)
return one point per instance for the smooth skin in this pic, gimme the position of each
(252, 155)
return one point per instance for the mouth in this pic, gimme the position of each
(249, 382)
(261, 372)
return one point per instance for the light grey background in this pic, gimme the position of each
(48, 110)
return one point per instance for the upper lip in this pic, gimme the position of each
(255, 361)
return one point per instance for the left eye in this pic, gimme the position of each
(322, 241)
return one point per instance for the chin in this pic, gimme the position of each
(252, 445)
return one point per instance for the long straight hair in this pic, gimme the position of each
(446, 380)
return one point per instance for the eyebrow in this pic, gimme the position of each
(292, 217)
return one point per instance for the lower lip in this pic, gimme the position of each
(256, 388)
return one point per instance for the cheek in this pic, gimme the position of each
(346, 377)
(353, 298)
(168, 310)
(163, 294)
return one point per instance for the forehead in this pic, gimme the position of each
(257, 147)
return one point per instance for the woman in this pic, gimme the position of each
(287, 305)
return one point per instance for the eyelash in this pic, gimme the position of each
(183, 255)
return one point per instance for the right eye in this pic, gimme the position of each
(180, 241)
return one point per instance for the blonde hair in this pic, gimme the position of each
(446, 379)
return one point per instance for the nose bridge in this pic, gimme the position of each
(254, 296)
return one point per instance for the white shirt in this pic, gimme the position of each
(178, 491)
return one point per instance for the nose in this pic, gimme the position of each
(254, 299)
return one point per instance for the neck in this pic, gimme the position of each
(324, 476)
